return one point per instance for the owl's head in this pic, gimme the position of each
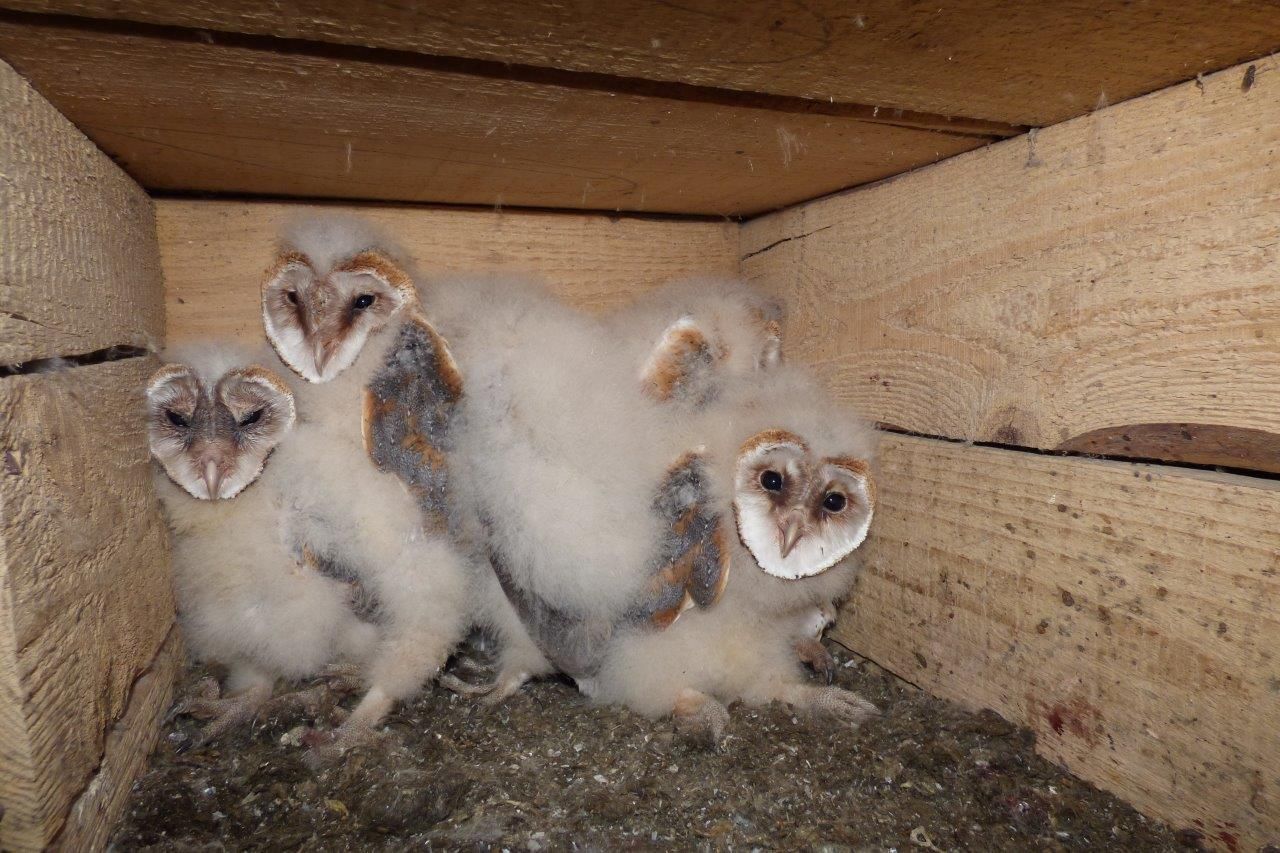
(332, 286)
(213, 433)
(799, 511)
(725, 329)
(799, 465)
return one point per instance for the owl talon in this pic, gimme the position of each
(326, 747)
(466, 689)
(700, 718)
(502, 688)
(834, 703)
(505, 687)
(813, 654)
(225, 712)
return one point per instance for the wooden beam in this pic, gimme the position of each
(271, 121)
(87, 272)
(1118, 270)
(1126, 613)
(87, 599)
(94, 815)
(1022, 63)
(214, 254)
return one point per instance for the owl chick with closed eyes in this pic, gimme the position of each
(247, 595)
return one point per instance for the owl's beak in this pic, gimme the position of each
(212, 479)
(791, 531)
(320, 354)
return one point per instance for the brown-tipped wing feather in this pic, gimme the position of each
(690, 567)
(408, 407)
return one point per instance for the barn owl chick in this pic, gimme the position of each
(369, 456)
(247, 597)
(793, 472)
(723, 329)
(582, 499)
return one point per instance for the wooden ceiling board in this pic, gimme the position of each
(189, 115)
(1025, 63)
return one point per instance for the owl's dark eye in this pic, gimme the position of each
(176, 419)
(771, 480)
(292, 296)
(252, 418)
(363, 301)
(834, 502)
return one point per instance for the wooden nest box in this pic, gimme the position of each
(1039, 243)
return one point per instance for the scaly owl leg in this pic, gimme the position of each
(699, 717)
(224, 712)
(422, 601)
(834, 703)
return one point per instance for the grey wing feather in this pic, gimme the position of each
(408, 407)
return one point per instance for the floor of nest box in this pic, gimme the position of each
(546, 769)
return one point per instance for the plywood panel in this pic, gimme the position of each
(84, 579)
(1127, 613)
(189, 115)
(1025, 63)
(1120, 269)
(78, 263)
(214, 254)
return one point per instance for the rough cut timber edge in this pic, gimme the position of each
(88, 597)
(1126, 613)
(94, 815)
(90, 271)
(85, 599)
(1118, 271)
(1021, 63)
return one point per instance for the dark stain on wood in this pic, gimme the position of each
(1199, 444)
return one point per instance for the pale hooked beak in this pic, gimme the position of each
(212, 479)
(320, 354)
(791, 532)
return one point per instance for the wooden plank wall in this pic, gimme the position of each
(1115, 276)
(85, 598)
(215, 253)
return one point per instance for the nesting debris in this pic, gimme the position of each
(546, 770)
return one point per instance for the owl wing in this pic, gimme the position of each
(574, 643)
(692, 563)
(408, 406)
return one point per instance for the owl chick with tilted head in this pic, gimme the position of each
(792, 471)
(691, 337)
(247, 597)
(341, 308)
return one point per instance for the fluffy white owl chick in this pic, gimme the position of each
(559, 462)
(792, 469)
(722, 329)
(341, 308)
(247, 596)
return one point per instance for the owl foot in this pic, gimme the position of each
(833, 703)
(502, 688)
(813, 654)
(343, 677)
(360, 727)
(700, 718)
(225, 712)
